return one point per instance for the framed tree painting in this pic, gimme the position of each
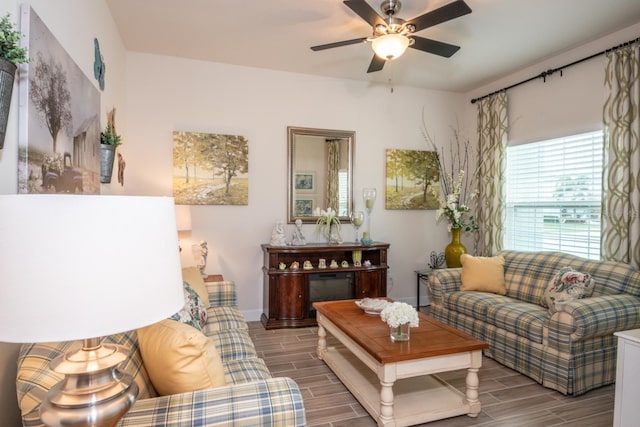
(210, 169)
(410, 177)
(59, 133)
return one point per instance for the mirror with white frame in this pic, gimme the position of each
(320, 173)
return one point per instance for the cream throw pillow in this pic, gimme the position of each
(179, 358)
(192, 276)
(484, 274)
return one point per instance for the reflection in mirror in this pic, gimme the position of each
(320, 173)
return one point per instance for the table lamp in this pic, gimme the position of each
(78, 268)
(183, 217)
(183, 220)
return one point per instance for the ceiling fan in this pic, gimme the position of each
(391, 35)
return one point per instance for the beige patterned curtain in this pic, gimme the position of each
(621, 169)
(333, 167)
(492, 143)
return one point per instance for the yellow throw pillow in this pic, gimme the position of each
(484, 274)
(192, 276)
(179, 358)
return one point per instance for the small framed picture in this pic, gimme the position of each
(305, 181)
(303, 207)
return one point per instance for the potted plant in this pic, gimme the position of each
(11, 54)
(109, 140)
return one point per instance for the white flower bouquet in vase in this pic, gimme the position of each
(400, 317)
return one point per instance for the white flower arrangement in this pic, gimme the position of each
(450, 206)
(456, 184)
(326, 219)
(399, 313)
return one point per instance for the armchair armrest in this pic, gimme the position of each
(275, 401)
(442, 281)
(597, 316)
(222, 293)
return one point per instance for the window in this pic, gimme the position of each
(553, 195)
(343, 192)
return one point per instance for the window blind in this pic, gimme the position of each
(343, 192)
(553, 195)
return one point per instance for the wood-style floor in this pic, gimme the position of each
(508, 398)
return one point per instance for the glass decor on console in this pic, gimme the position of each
(357, 218)
(369, 196)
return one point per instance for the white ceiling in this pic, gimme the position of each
(497, 38)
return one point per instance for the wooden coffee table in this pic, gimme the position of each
(395, 381)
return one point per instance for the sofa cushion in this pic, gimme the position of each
(245, 370)
(473, 304)
(484, 274)
(194, 312)
(179, 358)
(224, 317)
(233, 344)
(567, 285)
(192, 276)
(520, 318)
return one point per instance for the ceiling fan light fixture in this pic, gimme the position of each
(390, 46)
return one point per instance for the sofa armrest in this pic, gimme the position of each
(442, 281)
(274, 402)
(597, 316)
(222, 293)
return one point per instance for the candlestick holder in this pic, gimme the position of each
(357, 218)
(369, 196)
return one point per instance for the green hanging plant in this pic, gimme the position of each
(9, 42)
(109, 135)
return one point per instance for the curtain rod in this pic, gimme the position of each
(543, 75)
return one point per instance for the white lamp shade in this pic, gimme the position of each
(390, 46)
(76, 267)
(183, 217)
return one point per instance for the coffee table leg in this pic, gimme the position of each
(322, 341)
(472, 392)
(386, 403)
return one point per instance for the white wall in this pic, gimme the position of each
(166, 94)
(565, 104)
(74, 23)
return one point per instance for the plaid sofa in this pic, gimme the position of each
(573, 350)
(251, 397)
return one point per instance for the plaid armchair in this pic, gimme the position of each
(572, 350)
(251, 397)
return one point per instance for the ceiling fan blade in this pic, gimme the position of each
(377, 64)
(364, 11)
(338, 44)
(445, 13)
(433, 46)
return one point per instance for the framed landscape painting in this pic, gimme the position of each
(410, 176)
(210, 169)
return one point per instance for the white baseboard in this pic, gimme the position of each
(252, 315)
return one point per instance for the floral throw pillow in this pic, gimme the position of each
(567, 285)
(194, 312)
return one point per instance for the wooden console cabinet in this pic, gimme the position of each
(287, 300)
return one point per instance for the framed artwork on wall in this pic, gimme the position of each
(59, 118)
(303, 207)
(305, 181)
(210, 169)
(412, 179)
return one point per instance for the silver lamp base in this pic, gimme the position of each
(94, 392)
